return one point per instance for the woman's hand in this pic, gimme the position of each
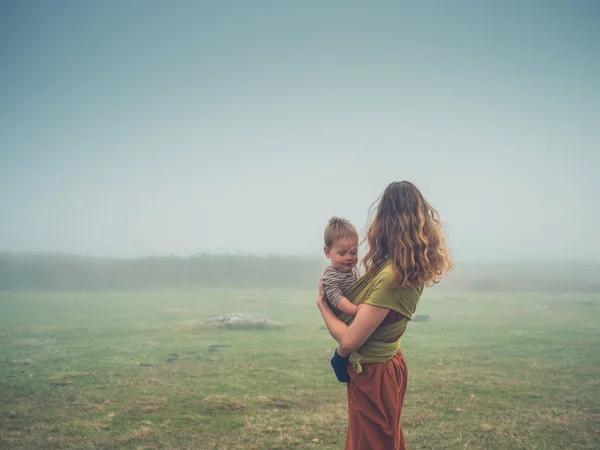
(321, 295)
(321, 290)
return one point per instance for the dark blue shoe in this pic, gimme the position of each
(340, 367)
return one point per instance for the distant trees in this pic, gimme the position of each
(57, 272)
(41, 272)
(558, 277)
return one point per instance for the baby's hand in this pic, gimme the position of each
(358, 308)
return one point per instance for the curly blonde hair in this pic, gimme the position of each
(338, 228)
(408, 231)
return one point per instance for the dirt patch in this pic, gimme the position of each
(177, 356)
(420, 319)
(223, 403)
(274, 402)
(215, 347)
(71, 375)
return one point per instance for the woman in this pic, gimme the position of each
(406, 251)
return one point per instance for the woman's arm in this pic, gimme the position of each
(351, 337)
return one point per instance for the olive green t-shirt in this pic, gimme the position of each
(379, 292)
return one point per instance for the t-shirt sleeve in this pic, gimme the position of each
(401, 300)
(331, 286)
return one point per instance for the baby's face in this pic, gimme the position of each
(343, 254)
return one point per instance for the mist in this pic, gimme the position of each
(137, 129)
(167, 170)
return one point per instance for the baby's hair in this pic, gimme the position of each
(338, 228)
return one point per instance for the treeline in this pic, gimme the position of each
(57, 272)
(540, 276)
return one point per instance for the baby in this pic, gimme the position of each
(341, 247)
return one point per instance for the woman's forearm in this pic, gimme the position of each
(351, 337)
(336, 327)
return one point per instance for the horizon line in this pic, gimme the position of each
(275, 255)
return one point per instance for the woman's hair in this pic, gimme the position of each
(407, 230)
(338, 228)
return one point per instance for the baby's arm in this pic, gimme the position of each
(347, 306)
(335, 296)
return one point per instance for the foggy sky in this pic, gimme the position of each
(149, 127)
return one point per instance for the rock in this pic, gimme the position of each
(243, 320)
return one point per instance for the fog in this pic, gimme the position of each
(130, 129)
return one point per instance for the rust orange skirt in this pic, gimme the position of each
(375, 399)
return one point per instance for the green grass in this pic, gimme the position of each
(144, 371)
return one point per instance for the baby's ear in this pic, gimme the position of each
(327, 251)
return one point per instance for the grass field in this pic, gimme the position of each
(144, 371)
